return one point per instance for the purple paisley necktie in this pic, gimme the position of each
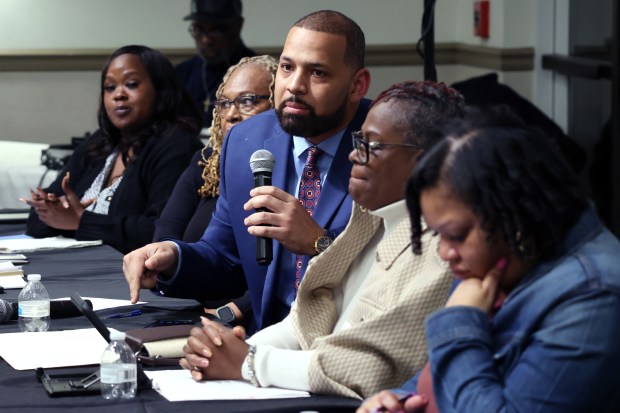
(309, 192)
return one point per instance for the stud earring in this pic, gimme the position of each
(519, 242)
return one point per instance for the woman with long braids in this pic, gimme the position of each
(245, 91)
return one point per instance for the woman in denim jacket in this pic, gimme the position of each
(533, 326)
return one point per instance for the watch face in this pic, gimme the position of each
(225, 314)
(322, 243)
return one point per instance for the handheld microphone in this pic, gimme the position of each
(261, 164)
(58, 309)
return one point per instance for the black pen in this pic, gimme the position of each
(160, 323)
(124, 315)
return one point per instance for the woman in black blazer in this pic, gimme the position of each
(118, 181)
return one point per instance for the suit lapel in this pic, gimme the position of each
(335, 188)
(398, 242)
(315, 314)
(280, 147)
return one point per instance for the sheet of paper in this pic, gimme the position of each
(10, 282)
(15, 236)
(13, 216)
(13, 257)
(27, 351)
(178, 385)
(7, 265)
(8, 268)
(39, 244)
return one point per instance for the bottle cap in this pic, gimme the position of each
(34, 277)
(116, 335)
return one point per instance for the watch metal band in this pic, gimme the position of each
(251, 370)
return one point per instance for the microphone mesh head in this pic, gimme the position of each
(6, 311)
(262, 161)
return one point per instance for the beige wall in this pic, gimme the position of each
(45, 106)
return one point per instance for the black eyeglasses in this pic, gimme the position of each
(216, 32)
(245, 104)
(364, 148)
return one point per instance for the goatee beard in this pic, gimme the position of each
(310, 125)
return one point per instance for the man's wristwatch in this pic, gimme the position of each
(226, 314)
(322, 242)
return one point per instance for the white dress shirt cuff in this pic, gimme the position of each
(277, 367)
(281, 335)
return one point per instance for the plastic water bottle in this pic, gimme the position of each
(33, 306)
(119, 371)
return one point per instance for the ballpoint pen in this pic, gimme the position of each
(123, 315)
(160, 323)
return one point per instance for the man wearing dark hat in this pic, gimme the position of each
(216, 28)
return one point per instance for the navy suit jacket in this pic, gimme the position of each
(206, 267)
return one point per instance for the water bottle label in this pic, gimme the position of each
(33, 309)
(118, 373)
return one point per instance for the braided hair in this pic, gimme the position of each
(211, 165)
(519, 186)
(424, 105)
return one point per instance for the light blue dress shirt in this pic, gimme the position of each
(286, 284)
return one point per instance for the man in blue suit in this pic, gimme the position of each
(319, 99)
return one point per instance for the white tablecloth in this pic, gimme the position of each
(20, 170)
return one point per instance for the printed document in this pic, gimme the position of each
(27, 351)
(178, 385)
(12, 282)
(40, 244)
